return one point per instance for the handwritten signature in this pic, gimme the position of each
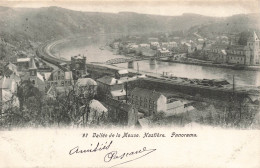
(115, 156)
(98, 147)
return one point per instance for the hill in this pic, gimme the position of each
(24, 27)
(50, 22)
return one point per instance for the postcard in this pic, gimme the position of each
(130, 84)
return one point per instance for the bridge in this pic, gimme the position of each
(153, 80)
(130, 61)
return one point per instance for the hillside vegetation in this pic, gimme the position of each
(25, 28)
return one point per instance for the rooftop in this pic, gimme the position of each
(5, 83)
(39, 76)
(23, 59)
(32, 64)
(235, 47)
(109, 80)
(119, 105)
(146, 93)
(96, 105)
(118, 93)
(78, 56)
(123, 71)
(253, 37)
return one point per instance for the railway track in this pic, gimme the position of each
(43, 52)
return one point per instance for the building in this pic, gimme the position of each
(35, 77)
(169, 45)
(163, 53)
(122, 113)
(115, 45)
(111, 87)
(148, 52)
(121, 73)
(144, 45)
(236, 54)
(8, 88)
(151, 102)
(147, 101)
(133, 48)
(200, 41)
(252, 50)
(186, 47)
(97, 113)
(142, 48)
(59, 77)
(217, 53)
(9, 69)
(154, 45)
(23, 63)
(246, 55)
(78, 66)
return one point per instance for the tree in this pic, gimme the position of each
(243, 38)
(26, 89)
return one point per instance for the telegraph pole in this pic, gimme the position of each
(126, 91)
(233, 84)
(137, 68)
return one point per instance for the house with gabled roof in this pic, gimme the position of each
(59, 77)
(151, 102)
(111, 87)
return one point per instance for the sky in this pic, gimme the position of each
(218, 8)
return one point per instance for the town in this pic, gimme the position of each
(156, 71)
(43, 90)
(235, 51)
(130, 83)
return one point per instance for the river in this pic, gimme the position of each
(90, 47)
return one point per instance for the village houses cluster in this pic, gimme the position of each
(223, 49)
(112, 97)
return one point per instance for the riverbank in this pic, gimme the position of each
(52, 45)
(95, 55)
(247, 68)
(195, 62)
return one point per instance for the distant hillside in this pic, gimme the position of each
(234, 24)
(46, 23)
(49, 22)
(22, 27)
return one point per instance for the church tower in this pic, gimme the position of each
(33, 72)
(253, 49)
